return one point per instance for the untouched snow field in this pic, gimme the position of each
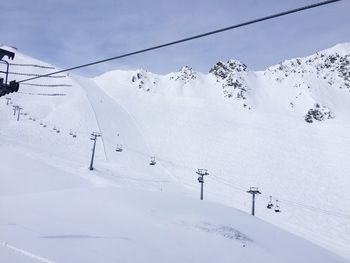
(55, 210)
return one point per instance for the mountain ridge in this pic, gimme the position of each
(187, 123)
(301, 78)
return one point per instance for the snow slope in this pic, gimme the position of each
(249, 129)
(109, 224)
(56, 210)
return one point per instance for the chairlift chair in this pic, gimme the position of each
(153, 161)
(270, 204)
(71, 133)
(119, 148)
(74, 135)
(277, 207)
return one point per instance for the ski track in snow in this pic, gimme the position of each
(26, 253)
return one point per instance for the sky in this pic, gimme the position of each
(67, 33)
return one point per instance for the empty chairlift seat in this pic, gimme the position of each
(119, 148)
(153, 161)
(277, 207)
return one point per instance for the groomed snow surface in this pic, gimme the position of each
(53, 209)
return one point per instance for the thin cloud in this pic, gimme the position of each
(68, 33)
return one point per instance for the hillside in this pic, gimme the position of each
(283, 130)
(236, 123)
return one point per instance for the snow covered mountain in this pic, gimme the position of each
(284, 130)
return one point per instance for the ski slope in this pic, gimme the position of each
(76, 218)
(56, 210)
(189, 124)
(109, 224)
(118, 127)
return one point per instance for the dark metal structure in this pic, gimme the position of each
(7, 53)
(18, 112)
(94, 136)
(253, 191)
(13, 86)
(202, 173)
(14, 108)
(8, 100)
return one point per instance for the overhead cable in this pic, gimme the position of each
(188, 38)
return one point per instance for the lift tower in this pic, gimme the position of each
(202, 173)
(253, 191)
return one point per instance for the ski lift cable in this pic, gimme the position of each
(51, 124)
(243, 189)
(292, 203)
(321, 211)
(189, 38)
(31, 65)
(315, 209)
(310, 207)
(240, 188)
(228, 183)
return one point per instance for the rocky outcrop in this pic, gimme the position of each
(185, 74)
(232, 77)
(318, 113)
(331, 67)
(142, 80)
